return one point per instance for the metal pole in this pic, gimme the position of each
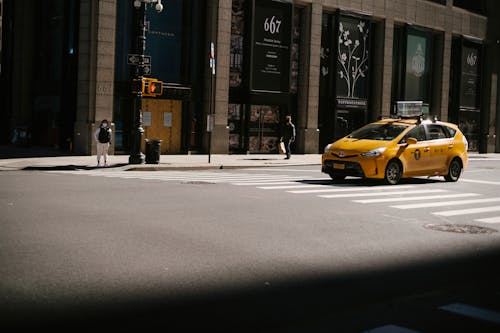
(136, 155)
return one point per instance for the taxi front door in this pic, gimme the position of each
(417, 157)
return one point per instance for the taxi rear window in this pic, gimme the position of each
(383, 132)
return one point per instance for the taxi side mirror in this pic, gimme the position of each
(411, 141)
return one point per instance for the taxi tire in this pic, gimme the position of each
(454, 170)
(393, 172)
(336, 177)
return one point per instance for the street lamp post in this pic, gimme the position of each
(136, 155)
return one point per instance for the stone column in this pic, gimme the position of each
(220, 134)
(95, 71)
(445, 75)
(386, 83)
(308, 87)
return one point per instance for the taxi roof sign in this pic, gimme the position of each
(409, 108)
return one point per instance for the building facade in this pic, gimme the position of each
(333, 65)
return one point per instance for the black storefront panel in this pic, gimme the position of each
(270, 46)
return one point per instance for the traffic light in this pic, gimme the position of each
(154, 87)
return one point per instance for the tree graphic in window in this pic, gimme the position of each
(353, 55)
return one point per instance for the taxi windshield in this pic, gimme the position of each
(383, 132)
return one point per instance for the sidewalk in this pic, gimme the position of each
(198, 161)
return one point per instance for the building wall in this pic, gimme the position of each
(96, 54)
(95, 70)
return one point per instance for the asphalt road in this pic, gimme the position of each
(268, 249)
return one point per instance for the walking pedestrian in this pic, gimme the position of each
(102, 137)
(288, 135)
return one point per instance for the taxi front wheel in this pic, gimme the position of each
(454, 171)
(393, 172)
(336, 176)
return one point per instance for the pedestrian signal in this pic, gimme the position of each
(154, 87)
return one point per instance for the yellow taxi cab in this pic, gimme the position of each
(391, 149)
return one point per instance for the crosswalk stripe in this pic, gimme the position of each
(473, 312)
(468, 211)
(445, 203)
(479, 181)
(426, 197)
(495, 219)
(352, 195)
(284, 187)
(257, 183)
(240, 178)
(351, 188)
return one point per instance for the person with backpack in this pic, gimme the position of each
(102, 136)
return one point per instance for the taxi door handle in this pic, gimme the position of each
(450, 146)
(426, 149)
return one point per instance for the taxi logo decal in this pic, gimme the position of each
(417, 154)
(341, 153)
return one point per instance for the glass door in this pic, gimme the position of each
(263, 128)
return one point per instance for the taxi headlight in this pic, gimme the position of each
(327, 148)
(374, 153)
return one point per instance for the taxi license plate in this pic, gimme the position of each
(338, 166)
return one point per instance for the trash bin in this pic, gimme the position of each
(153, 151)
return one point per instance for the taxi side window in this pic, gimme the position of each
(416, 132)
(437, 132)
(451, 131)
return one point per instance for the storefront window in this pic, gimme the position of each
(418, 64)
(164, 41)
(476, 6)
(352, 57)
(412, 66)
(237, 31)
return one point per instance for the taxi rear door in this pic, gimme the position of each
(440, 145)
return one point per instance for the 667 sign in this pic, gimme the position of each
(272, 25)
(271, 45)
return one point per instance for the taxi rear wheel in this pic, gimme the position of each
(393, 172)
(454, 171)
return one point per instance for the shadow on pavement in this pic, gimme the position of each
(281, 306)
(71, 167)
(15, 151)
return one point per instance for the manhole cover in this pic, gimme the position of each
(196, 182)
(460, 228)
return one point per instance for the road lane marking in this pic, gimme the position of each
(468, 211)
(495, 219)
(445, 203)
(427, 197)
(351, 189)
(352, 195)
(472, 312)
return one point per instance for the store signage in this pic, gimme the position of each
(469, 77)
(270, 46)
